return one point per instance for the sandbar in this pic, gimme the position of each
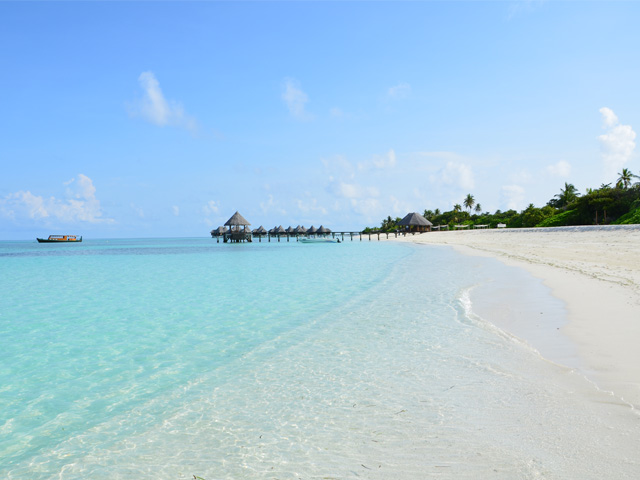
(595, 271)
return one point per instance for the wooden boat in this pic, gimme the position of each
(319, 240)
(60, 239)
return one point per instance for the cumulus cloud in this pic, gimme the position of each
(512, 197)
(295, 99)
(457, 174)
(155, 108)
(79, 205)
(561, 169)
(617, 143)
(402, 90)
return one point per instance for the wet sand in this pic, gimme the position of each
(596, 272)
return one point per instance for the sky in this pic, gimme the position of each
(162, 119)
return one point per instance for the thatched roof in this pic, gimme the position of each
(323, 230)
(300, 229)
(312, 229)
(281, 230)
(290, 230)
(218, 231)
(260, 231)
(414, 219)
(236, 219)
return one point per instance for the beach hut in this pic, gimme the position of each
(414, 222)
(238, 231)
(312, 230)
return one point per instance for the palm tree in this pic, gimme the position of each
(478, 208)
(457, 208)
(469, 202)
(624, 181)
(567, 194)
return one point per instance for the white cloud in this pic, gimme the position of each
(80, 204)
(154, 108)
(176, 210)
(387, 160)
(353, 191)
(402, 90)
(369, 208)
(522, 176)
(617, 143)
(295, 99)
(272, 205)
(457, 174)
(561, 169)
(311, 206)
(211, 208)
(512, 197)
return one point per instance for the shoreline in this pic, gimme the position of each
(595, 271)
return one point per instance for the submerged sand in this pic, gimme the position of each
(596, 272)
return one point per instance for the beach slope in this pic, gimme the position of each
(596, 272)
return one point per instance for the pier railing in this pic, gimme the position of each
(339, 235)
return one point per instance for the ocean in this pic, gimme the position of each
(181, 358)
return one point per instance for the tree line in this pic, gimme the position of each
(609, 204)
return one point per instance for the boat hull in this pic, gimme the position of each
(60, 240)
(319, 240)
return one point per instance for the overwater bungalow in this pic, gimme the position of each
(238, 231)
(323, 231)
(218, 232)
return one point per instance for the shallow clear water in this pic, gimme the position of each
(179, 357)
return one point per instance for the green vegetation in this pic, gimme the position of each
(619, 205)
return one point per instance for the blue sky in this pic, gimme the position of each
(137, 119)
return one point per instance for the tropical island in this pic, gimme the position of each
(607, 205)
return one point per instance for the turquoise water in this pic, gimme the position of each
(169, 358)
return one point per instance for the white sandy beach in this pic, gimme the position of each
(596, 272)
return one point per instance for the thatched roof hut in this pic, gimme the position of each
(312, 230)
(235, 233)
(323, 231)
(237, 220)
(218, 232)
(414, 222)
(260, 231)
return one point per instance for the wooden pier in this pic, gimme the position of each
(336, 235)
(237, 231)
